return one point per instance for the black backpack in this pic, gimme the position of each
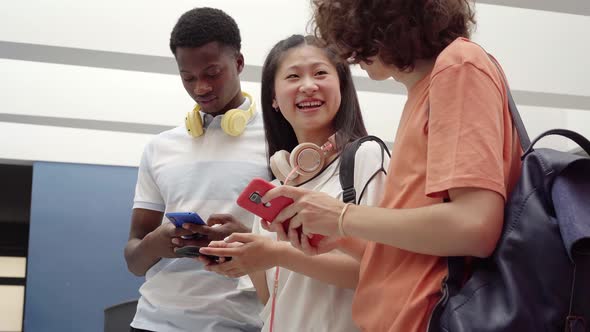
(538, 278)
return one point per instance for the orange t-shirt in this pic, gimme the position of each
(455, 131)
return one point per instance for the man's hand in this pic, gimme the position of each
(162, 241)
(219, 226)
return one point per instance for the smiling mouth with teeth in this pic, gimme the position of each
(310, 104)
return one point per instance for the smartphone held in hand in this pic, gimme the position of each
(193, 251)
(251, 200)
(179, 218)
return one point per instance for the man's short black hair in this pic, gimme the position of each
(200, 26)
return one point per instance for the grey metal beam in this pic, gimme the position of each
(167, 65)
(127, 127)
(576, 7)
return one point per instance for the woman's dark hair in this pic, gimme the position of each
(348, 122)
(400, 31)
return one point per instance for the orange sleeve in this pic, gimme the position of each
(465, 131)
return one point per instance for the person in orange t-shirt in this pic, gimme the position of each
(455, 142)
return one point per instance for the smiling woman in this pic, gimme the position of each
(308, 98)
(307, 93)
(298, 83)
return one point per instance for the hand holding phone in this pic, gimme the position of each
(193, 252)
(179, 218)
(251, 200)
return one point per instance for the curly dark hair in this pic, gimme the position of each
(200, 26)
(400, 31)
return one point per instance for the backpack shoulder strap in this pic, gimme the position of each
(347, 165)
(525, 141)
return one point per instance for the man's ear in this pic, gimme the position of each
(240, 62)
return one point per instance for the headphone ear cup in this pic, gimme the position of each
(308, 158)
(279, 165)
(194, 123)
(234, 122)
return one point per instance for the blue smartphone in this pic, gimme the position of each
(179, 218)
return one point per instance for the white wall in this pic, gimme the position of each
(539, 50)
(12, 297)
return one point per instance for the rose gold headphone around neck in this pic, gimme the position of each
(303, 163)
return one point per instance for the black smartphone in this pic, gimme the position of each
(193, 251)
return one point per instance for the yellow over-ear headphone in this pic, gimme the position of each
(233, 122)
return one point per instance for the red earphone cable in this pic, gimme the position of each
(295, 169)
(274, 299)
(276, 281)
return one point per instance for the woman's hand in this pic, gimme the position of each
(218, 227)
(275, 228)
(314, 212)
(249, 252)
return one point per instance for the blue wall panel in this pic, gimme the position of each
(80, 217)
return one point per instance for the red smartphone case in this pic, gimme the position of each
(250, 199)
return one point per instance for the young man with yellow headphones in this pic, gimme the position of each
(200, 166)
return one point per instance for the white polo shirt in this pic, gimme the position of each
(179, 173)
